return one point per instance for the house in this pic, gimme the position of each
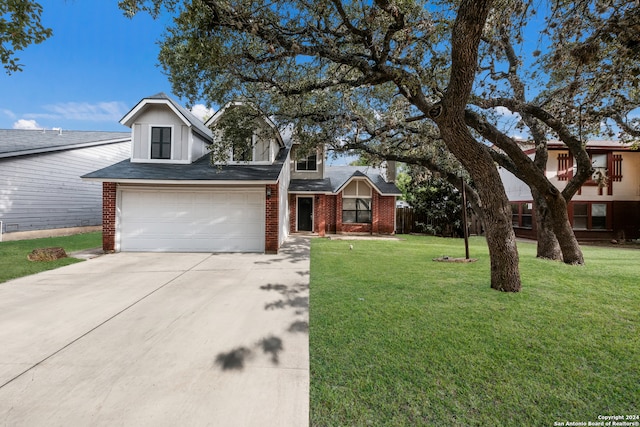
(40, 185)
(340, 199)
(170, 197)
(607, 205)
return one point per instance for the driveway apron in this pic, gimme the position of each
(159, 339)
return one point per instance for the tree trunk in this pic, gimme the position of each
(449, 115)
(501, 239)
(571, 252)
(505, 274)
(548, 246)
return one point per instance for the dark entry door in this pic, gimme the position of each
(305, 213)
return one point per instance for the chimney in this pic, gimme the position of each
(389, 170)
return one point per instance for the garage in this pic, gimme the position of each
(191, 220)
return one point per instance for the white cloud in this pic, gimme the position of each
(97, 112)
(506, 113)
(202, 111)
(26, 124)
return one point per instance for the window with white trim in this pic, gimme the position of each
(308, 164)
(160, 142)
(356, 203)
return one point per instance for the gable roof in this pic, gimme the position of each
(337, 177)
(21, 142)
(282, 140)
(185, 115)
(199, 172)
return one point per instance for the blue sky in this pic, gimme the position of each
(97, 65)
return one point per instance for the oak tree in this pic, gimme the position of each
(397, 78)
(20, 26)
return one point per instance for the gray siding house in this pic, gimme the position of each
(40, 185)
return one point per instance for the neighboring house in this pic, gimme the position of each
(169, 197)
(40, 185)
(606, 207)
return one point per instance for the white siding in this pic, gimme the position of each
(317, 174)
(283, 208)
(198, 147)
(516, 190)
(627, 189)
(44, 191)
(159, 115)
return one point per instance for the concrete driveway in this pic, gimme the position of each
(142, 339)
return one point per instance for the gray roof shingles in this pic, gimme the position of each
(337, 176)
(20, 142)
(200, 170)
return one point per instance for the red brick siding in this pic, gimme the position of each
(375, 212)
(271, 221)
(109, 216)
(356, 228)
(293, 211)
(386, 214)
(320, 214)
(331, 213)
(328, 215)
(339, 213)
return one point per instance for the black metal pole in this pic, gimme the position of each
(464, 221)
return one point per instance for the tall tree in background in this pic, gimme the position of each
(20, 27)
(394, 77)
(300, 48)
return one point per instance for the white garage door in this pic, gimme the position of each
(192, 220)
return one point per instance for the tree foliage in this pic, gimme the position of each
(238, 127)
(402, 79)
(434, 198)
(20, 27)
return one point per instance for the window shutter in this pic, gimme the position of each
(616, 172)
(565, 166)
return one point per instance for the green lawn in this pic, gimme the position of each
(13, 255)
(397, 339)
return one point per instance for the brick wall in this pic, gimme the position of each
(386, 214)
(271, 221)
(109, 216)
(338, 213)
(356, 228)
(320, 214)
(328, 215)
(293, 210)
(330, 203)
(375, 212)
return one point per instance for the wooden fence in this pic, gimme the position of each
(410, 221)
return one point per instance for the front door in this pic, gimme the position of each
(305, 213)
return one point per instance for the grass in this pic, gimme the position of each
(397, 339)
(13, 255)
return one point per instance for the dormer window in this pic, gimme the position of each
(308, 164)
(160, 143)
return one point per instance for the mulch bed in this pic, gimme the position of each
(47, 254)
